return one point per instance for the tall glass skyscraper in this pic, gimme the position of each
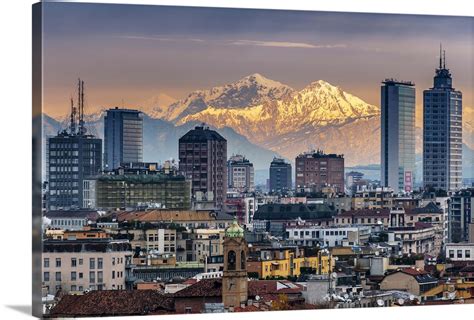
(442, 132)
(123, 137)
(398, 135)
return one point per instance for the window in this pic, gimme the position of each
(73, 288)
(113, 274)
(467, 254)
(188, 310)
(100, 263)
(81, 262)
(231, 260)
(100, 276)
(451, 254)
(46, 276)
(46, 262)
(459, 253)
(92, 263)
(58, 262)
(58, 276)
(81, 275)
(81, 288)
(73, 276)
(73, 262)
(92, 277)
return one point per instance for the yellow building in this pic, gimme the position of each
(451, 290)
(285, 263)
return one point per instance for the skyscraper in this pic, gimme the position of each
(398, 135)
(240, 174)
(72, 156)
(202, 160)
(123, 135)
(280, 175)
(442, 132)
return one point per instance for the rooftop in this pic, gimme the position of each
(201, 134)
(292, 211)
(170, 215)
(114, 303)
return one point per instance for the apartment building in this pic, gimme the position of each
(87, 264)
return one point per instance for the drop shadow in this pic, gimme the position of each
(25, 309)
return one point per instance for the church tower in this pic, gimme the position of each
(235, 279)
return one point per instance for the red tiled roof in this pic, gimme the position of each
(413, 271)
(260, 287)
(114, 303)
(213, 288)
(203, 288)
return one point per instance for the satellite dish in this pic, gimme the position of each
(380, 303)
(400, 301)
(334, 276)
(257, 297)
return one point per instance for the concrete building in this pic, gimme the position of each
(460, 215)
(308, 235)
(202, 160)
(280, 176)
(71, 158)
(412, 280)
(317, 170)
(71, 219)
(373, 198)
(415, 238)
(442, 132)
(398, 135)
(141, 191)
(123, 137)
(460, 252)
(87, 264)
(240, 174)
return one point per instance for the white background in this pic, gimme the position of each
(15, 151)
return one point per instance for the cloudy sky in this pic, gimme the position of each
(128, 54)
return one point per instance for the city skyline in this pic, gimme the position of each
(141, 41)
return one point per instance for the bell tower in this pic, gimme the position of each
(235, 279)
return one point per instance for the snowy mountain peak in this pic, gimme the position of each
(249, 91)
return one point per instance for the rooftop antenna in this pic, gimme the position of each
(73, 118)
(440, 56)
(444, 59)
(81, 107)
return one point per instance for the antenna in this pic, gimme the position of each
(73, 118)
(444, 59)
(440, 56)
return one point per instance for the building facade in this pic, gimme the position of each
(280, 175)
(398, 135)
(71, 158)
(460, 215)
(240, 174)
(88, 264)
(442, 133)
(202, 160)
(141, 191)
(123, 137)
(317, 170)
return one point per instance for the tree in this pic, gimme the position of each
(281, 303)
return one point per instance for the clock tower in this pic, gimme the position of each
(235, 279)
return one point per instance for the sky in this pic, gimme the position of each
(127, 54)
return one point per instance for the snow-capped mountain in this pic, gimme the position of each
(319, 116)
(157, 105)
(252, 90)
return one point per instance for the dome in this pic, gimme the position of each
(234, 230)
